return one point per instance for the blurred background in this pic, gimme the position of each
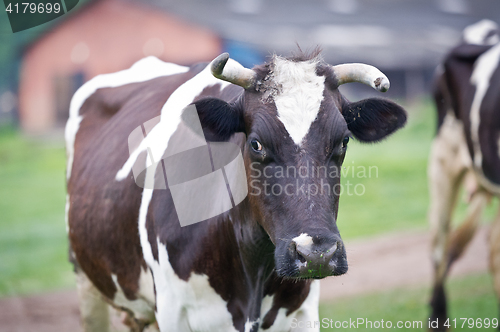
(385, 228)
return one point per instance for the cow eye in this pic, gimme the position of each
(345, 141)
(256, 146)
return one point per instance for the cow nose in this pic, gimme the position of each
(318, 258)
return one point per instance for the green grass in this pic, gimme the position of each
(33, 244)
(396, 197)
(469, 297)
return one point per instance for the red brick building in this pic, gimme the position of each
(103, 36)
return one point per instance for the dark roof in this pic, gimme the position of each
(392, 34)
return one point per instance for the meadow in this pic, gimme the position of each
(34, 247)
(469, 297)
(33, 244)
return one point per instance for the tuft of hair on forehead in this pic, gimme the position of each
(265, 71)
(296, 88)
(300, 55)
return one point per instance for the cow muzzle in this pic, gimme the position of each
(314, 257)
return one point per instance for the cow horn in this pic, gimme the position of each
(359, 72)
(232, 71)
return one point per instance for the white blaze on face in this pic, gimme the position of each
(303, 240)
(300, 95)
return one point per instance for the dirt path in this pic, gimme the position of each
(398, 260)
(374, 264)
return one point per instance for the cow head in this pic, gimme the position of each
(297, 127)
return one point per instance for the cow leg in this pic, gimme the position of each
(457, 243)
(94, 310)
(152, 328)
(495, 256)
(465, 232)
(447, 167)
(135, 325)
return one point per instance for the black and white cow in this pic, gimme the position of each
(253, 267)
(466, 149)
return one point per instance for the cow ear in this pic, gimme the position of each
(219, 119)
(371, 120)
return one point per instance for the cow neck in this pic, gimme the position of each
(256, 255)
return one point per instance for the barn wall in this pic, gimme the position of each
(107, 36)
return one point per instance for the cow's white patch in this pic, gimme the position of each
(266, 305)
(304, 240)
(146, 286)
(191, 305)
(157, 140)
(281, 318)
(477, 33)
(143, 70)
(66, 213)
(308, 312)
(281, 321)
(182, 306)
(143, 306)
(484, 68)
(249, 325)
(300, 95)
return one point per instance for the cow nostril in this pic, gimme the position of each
(317, 260)
(331, 251)
(295, 251)
(305, 253)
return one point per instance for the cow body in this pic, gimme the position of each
(465, 150)
(242, 270)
